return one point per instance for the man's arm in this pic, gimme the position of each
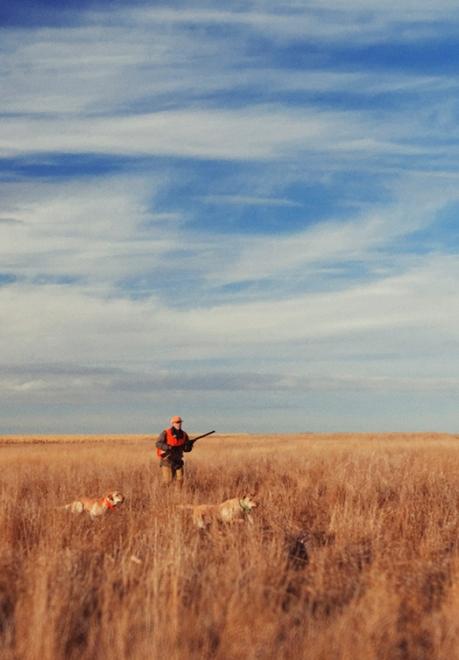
(188, 446)
(161, 442)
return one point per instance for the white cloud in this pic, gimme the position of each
(106, 230)
(108, 87)
(255, 133)
(400, 325)
(359, 21)
(331, 244)
(410, 8)
(59, 322)
(108, 69)
(99, 230)
(247, 200)
(359, 82)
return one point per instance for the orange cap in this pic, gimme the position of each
(176, 419)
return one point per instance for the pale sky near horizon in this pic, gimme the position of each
(246, 215)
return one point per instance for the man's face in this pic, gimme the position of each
(177, 425)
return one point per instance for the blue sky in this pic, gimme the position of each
(243, 215)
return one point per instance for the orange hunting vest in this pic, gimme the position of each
(172, 441)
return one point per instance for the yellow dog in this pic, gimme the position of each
(234, 510)
(96, 507)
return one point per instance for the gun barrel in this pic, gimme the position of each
(202, 436)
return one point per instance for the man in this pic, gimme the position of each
(171, 444)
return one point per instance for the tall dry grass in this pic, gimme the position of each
(353, 554)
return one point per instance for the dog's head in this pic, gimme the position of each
(247, 503)
(115, 497)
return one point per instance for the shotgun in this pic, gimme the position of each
(201, 436)
(163, 454)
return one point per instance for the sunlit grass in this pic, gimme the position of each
(353, 554)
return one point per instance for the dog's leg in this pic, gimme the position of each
(199, 521)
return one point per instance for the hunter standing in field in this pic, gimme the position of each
(171, 444)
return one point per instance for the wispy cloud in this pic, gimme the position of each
(249, 134)
(245, 200)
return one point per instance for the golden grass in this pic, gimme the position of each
(353, 554)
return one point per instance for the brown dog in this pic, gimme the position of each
(230, 511)
(96, 507)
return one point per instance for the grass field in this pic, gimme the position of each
(353, 552)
